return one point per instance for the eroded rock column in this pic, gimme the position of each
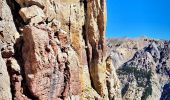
(95, 34)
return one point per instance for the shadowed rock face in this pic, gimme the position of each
(52, 50)
(165, 94)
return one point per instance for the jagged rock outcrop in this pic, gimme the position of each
(112, 81)
(56, 50)
(32, 14)
(53, 50)
(144, 69)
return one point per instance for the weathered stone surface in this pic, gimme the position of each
(55, 25)
(8, 32)
(14, 65)
(143, 74)
(112, 81)
(57, 69)
(75, 86)
(5, 89)
(95, 29)
(61, 54)
(7, 51)
(8, 36)
(32, 14)
(39, 3)
(38, 62)
(63, 37)
(57, 56)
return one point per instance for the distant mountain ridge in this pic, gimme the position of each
(142, 67)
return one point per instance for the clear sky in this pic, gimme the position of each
(133, 18)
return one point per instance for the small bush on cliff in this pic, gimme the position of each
(147, 92)
(125, 88)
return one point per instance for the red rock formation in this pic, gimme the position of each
(60, 51)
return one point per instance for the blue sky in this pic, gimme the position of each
(133, 18)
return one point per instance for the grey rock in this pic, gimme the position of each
(5, 90)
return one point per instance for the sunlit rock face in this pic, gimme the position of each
(142, 67)
(52, 50)
(56, 50)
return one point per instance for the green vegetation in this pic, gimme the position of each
(123, 91)
(147, 92)
(139, 75)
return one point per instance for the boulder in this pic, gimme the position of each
(32, 14)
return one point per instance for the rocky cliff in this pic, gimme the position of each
(56, 50)
(142, 67)
(52, 50)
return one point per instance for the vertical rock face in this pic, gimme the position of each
(112, 81)
(39, 61)
(5, 93)
(95, 41)
(6, 23)
(53, 49)
(8, 36)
